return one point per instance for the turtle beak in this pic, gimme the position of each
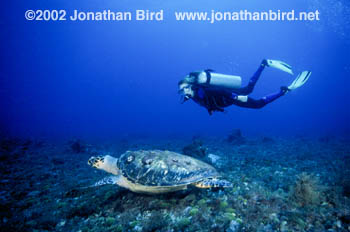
(91, 160)
(95, 161)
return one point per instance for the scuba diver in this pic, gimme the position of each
(215, 91)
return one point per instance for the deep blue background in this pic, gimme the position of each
(108, 79)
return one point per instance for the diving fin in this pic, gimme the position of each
(300, 80)
(280, 65)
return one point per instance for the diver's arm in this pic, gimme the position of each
(213, 100)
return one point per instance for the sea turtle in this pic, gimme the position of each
(156, 171)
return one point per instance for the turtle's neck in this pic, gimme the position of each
(110, 165)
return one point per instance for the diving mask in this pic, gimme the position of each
(186, 91)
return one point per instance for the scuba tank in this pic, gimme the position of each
(210, 79)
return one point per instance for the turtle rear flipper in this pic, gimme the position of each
(106, 180)
(213, 183)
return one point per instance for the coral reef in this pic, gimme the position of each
(298, 184)
(195, 149)
(306, 190)
(77, 146)
(235, 137)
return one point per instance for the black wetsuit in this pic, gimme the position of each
(217, 99)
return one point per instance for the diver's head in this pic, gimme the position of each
(185, 90)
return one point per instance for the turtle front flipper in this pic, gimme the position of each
(213, 183)
(106, 180)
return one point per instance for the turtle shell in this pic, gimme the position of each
(163, 168)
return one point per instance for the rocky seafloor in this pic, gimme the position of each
(280, 184)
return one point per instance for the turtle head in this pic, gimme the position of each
(96, 161)
(106, 163)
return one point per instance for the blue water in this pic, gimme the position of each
(109, 79)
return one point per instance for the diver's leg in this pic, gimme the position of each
(249, 88)
(248, 102)
(272, 97)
